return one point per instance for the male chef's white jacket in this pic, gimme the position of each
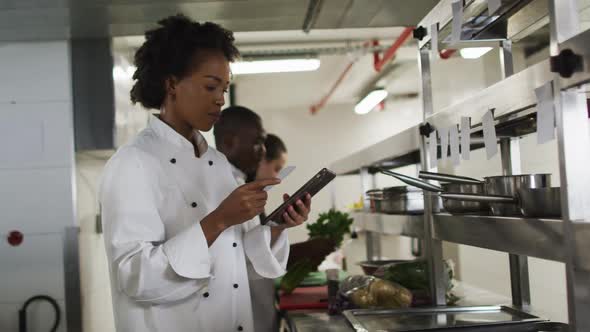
(164, 277)
(266, 318)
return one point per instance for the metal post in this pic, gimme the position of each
(432, 246)
(72, 279)
(373, 240)
(519, 268)
(573, 146)
(510, 155)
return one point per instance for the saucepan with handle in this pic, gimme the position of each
(530, 195)
(469, 186)
(510, 195)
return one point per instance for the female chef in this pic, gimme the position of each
(182, 238)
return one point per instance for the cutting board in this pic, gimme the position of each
(305, 298)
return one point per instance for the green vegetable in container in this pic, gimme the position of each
(296, 274)
(330, 228)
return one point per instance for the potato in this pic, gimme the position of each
(390, 295)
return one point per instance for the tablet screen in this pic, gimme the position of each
(313, 186)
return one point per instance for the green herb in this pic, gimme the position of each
(332, 225)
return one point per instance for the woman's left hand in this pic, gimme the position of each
(296, 214)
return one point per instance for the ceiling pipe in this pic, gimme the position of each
(390, 53)
(446, 53)
(313, 11)
(378, 64)
(315, 108)
(376, 60)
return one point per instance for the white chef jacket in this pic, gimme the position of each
(164, 277)
(266, 318)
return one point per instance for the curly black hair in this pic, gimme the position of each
(170, 51)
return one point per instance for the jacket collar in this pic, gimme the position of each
(167, 133)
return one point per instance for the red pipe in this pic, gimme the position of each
(378, 64)
(393, 49)
(315, 108)
(446, 53)
(375, 55)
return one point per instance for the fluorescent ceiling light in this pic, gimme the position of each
(474, 52)
(274, 66)
(370, 101)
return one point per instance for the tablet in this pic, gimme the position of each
(313, 186)
(282, 175)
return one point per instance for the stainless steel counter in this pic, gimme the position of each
(320, 321)
(317, 321)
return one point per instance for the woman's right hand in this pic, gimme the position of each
(244, 203)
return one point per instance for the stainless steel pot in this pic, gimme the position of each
(463, 207)
(465, 186)
(540, 202)
(509, 185)
(509, 195)
(501, 191)
(400, 200)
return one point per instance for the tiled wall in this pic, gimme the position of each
(36, 177)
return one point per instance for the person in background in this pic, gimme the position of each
(275, 159)
(182, 237)
(239, 134)
(263, 290)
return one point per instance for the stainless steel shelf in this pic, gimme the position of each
(390, 224)
(542, 238)
(513, 100)
(506, 23)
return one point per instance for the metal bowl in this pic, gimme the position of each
(370, 267)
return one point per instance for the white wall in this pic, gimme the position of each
(315, 141)
(36, 173)
(97, 308)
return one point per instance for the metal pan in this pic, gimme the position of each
(540, 202)
(497, 186)
(399, 200)
(530, 202)
(509, 185)
(451, 206)
(464, 207)
(466, 319)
